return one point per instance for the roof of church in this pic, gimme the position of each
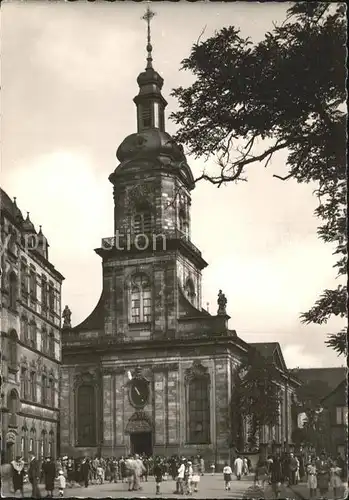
(95, 321)
(333, 376)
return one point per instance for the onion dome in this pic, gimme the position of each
(150, 143)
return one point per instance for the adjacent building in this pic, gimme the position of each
(150, 370)
(30, 338)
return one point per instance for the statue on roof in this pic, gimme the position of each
(222, 303)
(66, 317)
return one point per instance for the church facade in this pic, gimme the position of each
(150, 370)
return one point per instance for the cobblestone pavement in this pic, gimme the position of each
(209, 487)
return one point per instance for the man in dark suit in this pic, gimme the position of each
(33, 475)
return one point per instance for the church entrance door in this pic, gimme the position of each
(141, 442)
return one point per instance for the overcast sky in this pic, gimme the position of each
(68, 77)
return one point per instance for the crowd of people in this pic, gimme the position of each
(320, 473)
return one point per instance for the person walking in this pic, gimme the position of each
(17, 469)
(227, 472)
(245, 466)
(34, 475)
(323, 475)
(85, 471)
(311, 478)
(158, 472)
(61, 483)
(276, 476)
(261, 476)
(196, 474)
(238, 467)
(139, 471)
(335, 479)
(188, 476)
(49, 471)
(202, 466)
(180, 478)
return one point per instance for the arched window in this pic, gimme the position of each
(86, 415)
(190, 290)
(13, 363)
(141, 303)
(32, 334)
(13, 286)
(13, 407)
(51, 392)
(198, 405)
(51, 344)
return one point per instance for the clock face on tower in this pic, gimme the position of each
(139, 392)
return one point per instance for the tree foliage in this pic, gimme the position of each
(287, 92)
(256, 394)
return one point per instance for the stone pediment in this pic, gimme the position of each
(139, 422)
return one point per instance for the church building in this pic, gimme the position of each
(150, 370)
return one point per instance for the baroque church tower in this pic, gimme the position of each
(150, 370)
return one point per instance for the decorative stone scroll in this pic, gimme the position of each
(197, 370)
(139, 422)
(87, 377)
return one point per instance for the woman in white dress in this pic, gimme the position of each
(312, 479)
(196, 475)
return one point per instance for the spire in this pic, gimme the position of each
(148, 16)
(149, 101)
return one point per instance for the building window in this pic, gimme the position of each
(13, 350)
(31, 445)
(13, 291)
(43, 389)
(24, 280)
(43, 294)
(140, 299)
(32, 386)
(142, 222)
(51, 298)
(24, 383)
(44, 340)
(86, 415)
(146, 115)
(32, 284)
(50, 449)
(199, 410)
(51, 346)
(25, 329)
(189, 290)
(342, 415)
(51, 390)
(32, 331)
(42, 446)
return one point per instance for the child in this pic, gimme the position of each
(335, 479)
(312, 479)
(213, 467)
(227, 472)
(158, 471)
(100, 474)
(61, 483)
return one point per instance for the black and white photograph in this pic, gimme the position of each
(173, 249)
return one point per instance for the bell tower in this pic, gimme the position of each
(152, 270)
(149, 101)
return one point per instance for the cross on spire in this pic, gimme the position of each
(148, 16)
